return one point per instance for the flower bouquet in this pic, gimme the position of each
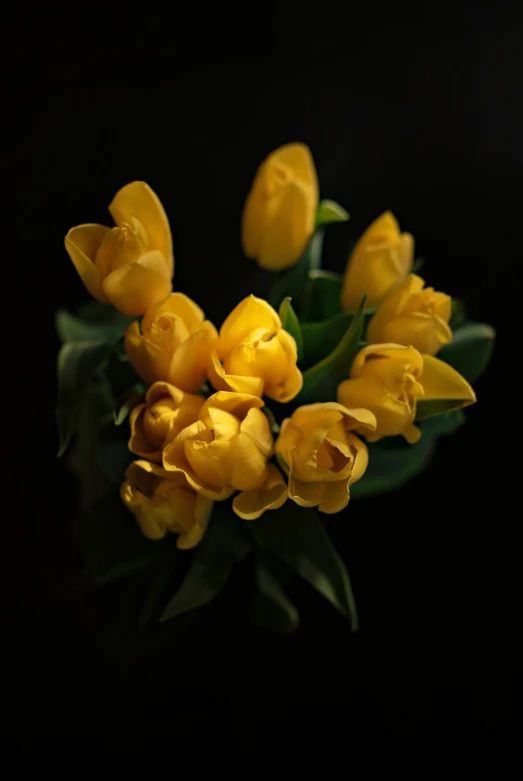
(198, 447)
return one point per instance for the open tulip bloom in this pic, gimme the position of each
(198, 446)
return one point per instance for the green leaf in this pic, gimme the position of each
(458, 314)
(443, 424)
(321, 338)
(417, 265)
(329, 212)
(272, 609)
(223, 544)
(297, 536)
(113, 545)
(127, 402)
(390, 468)
(292, 283)
(291, 324)
(72, 328)
(322, 295)
(273, 423)
(321, 380)
(113, 452)
(431, 407)
(470, 350)
(77, 364)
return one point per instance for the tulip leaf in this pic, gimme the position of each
(78, 362)
(391, 468)
(113, 453)
(297, 536)
(292, 282)
(329, 212)
(273, 423)
(321, 338)
(430, 407)
(223, 544)
(322, 295)
(445, 423)
(128, 400)
(291, 324)
(272, 609)
(73, 328)
(320, 381)
(458, 313)
(470, 350)
(114, 547)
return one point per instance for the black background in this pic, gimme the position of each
(419, 114)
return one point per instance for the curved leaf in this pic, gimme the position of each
(390, 468)
(72, 328)
(223, 544)
(321, 338)
(292, 283)
(321, 380)
(291, 324)
(470, 350)
(272, 609)
(297, 536)
(330, 212)
(77, 364)
(322, 295)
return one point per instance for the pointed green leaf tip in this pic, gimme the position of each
(329, 212)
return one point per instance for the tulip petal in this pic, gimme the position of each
(361, 458)
(249, 464)
(392, 415)
(179, 305)
(139, 443)
(427, 333)
(237, 404)
(134, 287)
(250, 314)
(306, 494)
(82, 244)
(335, 498)
(293, 378)
(256, 426)
(148, 360)
(441, 381)
(289, 226)
(232, 382)
(249, 505)
(137, 201)
(201, 512)
(297, 156)
(188, 368)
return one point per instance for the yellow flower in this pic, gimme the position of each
(166, 411)
(322, 456)
(226, 449)
(388, 379)
(254, 354)
(164, 502)
(271, 495)
(412, 314)
(175, 343)
(129, 266)
(280, 210)
(382, 257)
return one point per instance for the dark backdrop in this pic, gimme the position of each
(420, 115)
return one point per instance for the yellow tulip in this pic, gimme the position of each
(166, 411)
(164, 502)
(271, 495)
(321, 455)
(382, 257)
(226, 449)
(174, 345)
(129, 266)
(280, 210)
(413, 314)
(389, 379)
(254, 354)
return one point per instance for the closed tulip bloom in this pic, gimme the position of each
(226, 449)
(412, 314)
(174, 344)
(389, 379)
(322, 455)
(164, 502)
(131, 265)
(254, 354)
(280, 210)
(382, 257)
(166, 411)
